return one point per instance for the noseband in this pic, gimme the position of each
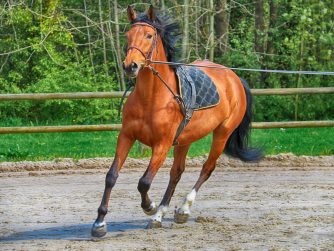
(149, 55)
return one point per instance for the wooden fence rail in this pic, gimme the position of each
(116, 127)
(117, 94)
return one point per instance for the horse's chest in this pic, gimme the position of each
(148, 132)
(151, 125)
(151, 121)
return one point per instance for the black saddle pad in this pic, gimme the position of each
(192, 79)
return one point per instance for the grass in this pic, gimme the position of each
(42, 146)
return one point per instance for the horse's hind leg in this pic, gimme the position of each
(180, 154)
(220, 136)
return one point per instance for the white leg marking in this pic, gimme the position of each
(100, 224)
(188, 202)
(152, 209)
(162, 210)
(152, 205)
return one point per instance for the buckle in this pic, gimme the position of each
(147, 62)
(175, 142)
(188, 115)
(179, 100)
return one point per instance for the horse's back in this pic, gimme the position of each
(229, 85)
(219, 73)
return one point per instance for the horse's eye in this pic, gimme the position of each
(149, 36)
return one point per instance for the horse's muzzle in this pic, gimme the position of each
(132, 69)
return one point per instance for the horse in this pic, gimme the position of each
(152, 116)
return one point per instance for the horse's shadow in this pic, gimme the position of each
(72, 232)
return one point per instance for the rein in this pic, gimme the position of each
(149, 60)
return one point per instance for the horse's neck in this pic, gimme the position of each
(150, 87)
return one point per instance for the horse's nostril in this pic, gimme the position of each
(134, 66)
(131, 68)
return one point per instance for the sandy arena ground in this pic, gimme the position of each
(283, 203)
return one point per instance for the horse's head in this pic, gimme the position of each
(142, 39)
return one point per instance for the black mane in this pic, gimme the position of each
(167, 28)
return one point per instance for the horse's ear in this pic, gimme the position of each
(151, 13)
(131, 13)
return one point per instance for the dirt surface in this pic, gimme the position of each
(285, 161)
(282, 203)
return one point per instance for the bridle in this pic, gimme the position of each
(148, 56)
(148, 60)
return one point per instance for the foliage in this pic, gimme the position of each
(52, 63)
(68, 46)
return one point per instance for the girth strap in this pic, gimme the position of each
(188, 110)
(183, 124)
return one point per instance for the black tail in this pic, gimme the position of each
(237, 144)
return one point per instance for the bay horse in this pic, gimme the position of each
(151, 115)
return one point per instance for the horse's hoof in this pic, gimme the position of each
(180, 217)
(153, 224)
(99, 229)
(151, 210)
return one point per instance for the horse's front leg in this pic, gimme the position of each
(159, 154)
(124, 144)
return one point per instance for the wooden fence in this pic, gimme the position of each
(116, 127)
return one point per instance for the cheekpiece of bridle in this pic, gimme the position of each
(148, 56)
